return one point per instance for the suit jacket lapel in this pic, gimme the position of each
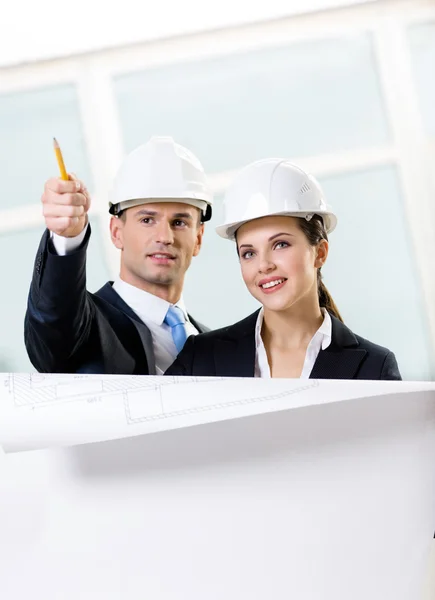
(199, 326)
(342, 358)
(147, 341)
(109, 294)
(337, 365)
(234, 354)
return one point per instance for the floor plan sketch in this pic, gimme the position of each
(29, 389)
(143, 397)
(47, 410)
(169, 401)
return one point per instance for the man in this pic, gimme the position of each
(138, 323)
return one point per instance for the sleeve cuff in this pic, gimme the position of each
(66, 245)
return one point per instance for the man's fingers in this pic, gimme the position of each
(75, 199)
(87, 196)
(83, 190)
(64, 205)
(62, 210)
(59, 186)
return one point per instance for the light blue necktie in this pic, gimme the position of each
(176, 321)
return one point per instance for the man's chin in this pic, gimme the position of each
(159, 278)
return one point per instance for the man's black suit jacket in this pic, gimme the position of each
(69, 330)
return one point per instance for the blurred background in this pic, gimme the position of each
(344, 89)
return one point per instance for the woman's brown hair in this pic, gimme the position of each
(315, 232)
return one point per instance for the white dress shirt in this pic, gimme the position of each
(320, 340)
(149, 308)
(152, 311)
(63, 245)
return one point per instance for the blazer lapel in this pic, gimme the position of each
(147, 341)
(199, 326)
(337, 365)
(342, 358)
(109, 295)
(234, 354)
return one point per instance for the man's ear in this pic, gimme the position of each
(198, 242)
(117, 232)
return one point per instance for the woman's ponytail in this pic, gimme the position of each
(314, 231)
(325, 298)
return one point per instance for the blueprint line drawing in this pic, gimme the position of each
(156, 403)
(144, 398)
(52, 410)
(29, 389)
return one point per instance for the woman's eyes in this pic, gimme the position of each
(277, 246)
(281, 244)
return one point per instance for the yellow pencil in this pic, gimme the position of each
(59, 157)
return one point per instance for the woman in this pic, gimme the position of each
(278, 218)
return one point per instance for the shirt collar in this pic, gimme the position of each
(325, 329)
(324, 333)
(258, 326)
(147, 306)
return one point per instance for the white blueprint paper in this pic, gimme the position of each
(43, 411)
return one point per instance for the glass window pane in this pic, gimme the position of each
(303, 99)
(22, 246)
(422, 41)
(214, 291)
(28, 122)
(371, 271)
(97, 272)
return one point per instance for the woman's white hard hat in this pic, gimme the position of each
(273, 186)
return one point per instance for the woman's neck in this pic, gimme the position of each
(291, 329)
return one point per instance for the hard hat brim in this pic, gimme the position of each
(228, 230)
(203, 205)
